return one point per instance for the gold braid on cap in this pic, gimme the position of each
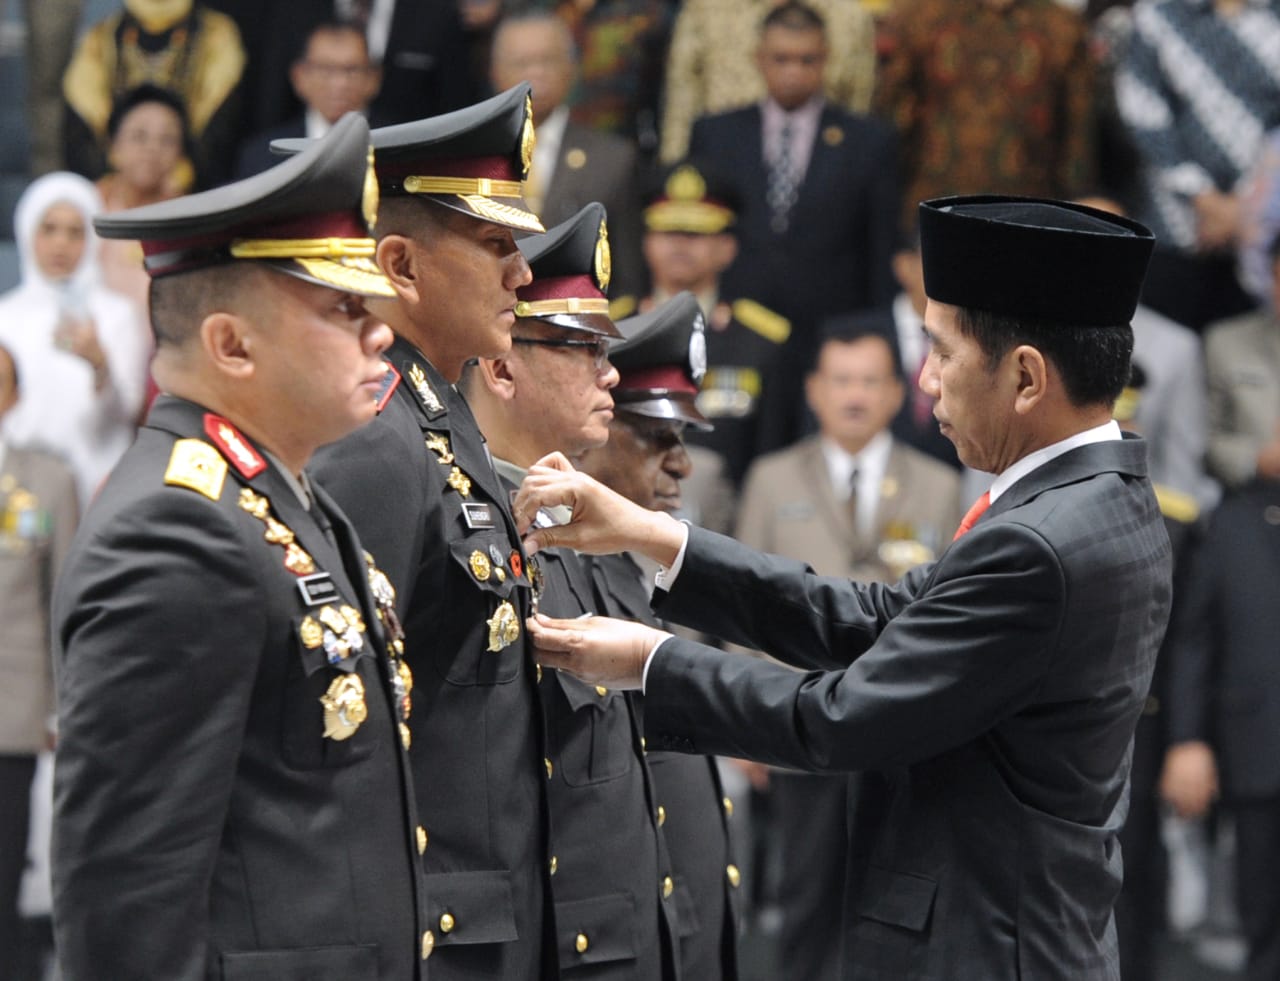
(303, 248)
(572, 304)
(489, 187)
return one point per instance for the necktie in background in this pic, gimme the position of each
(781, 190)
(976, 511)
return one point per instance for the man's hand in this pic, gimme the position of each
(1190, 778)
(597, 650)
(603, 521)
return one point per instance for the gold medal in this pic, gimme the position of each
(332, 619)
(480, 567)
(311, 633)
(344, 707)
(504, 626)
(460, 482)
(352, 616)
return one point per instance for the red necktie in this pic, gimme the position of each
(976, 511)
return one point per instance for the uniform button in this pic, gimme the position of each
(555, 864)
(549, 768)
(728, 806)
(662, 815)
(735, 877)
(644, 747)
(537, 668)
(422, 839)
(428, 944)
(601, 690)
(447, 923)
(668, 887)
(581, 943)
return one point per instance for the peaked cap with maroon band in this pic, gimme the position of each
(308, 217)
(473, 160)
(571, 267)
(661, 361)
(1048, 261)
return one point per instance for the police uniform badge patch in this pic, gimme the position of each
(426, 394)
(504, 626)
(344, 707)
(196, 465)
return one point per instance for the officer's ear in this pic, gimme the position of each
(397, 257)
(224, 339)
(496, 376)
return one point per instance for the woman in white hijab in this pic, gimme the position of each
(80, 348)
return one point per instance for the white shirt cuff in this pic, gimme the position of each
(644, 675)
(666, 578)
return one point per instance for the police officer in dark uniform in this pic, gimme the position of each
(689, 218)
(420, 487)
(659, 365)
(233, 797)
(613, 884)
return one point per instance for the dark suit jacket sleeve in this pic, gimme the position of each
(970, 650)
(153, 697)
(1193, 646)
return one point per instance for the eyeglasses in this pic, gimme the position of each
(599, 348)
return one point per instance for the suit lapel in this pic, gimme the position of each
(1127, 456)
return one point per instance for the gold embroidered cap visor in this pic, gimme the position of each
(308, 217)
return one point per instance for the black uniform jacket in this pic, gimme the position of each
(613, 885)
(990, 697)
(205, 826)
(419, 486)
(693, 807)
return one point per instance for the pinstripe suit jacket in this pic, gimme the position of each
(988, 699)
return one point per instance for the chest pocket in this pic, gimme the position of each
(592, 740)
(311, 680)
(494, 646)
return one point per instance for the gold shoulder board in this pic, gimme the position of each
(196, 465)
(769, 325)
(1176, 505)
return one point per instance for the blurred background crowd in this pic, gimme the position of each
(766, 156)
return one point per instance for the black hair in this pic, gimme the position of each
(794, 16)
(334, 25)
(141, 95)
(1093, 361)
(179, 302)
(847, 328)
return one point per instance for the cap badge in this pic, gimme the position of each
(527, 138)
(686, 184)
(698, 349)
(603, 259)
(369, 198)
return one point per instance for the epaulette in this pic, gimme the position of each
(1177, 505)
(769, 325)
(196, 465)
(623, 306)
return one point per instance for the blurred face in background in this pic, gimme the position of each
(334, 76)
(537, 51)
(854, 391)
(687, 261)
(147, 147)
(792, 62)
(58, 245)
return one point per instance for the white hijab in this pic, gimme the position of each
(59, 408)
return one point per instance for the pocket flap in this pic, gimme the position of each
(596, 930)
(486, 561)
(902, 899)
(476, 907)
(579, 694)
(354, 963)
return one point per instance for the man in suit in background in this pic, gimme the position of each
(818, 220)
(332, 77)
(851, 501)
(38, 513)
(573, 164)
(986, 703)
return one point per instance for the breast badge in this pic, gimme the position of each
(480, 566)
(344, 707)
(504, 626)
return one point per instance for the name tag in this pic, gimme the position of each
(477, 515)
(317, 589)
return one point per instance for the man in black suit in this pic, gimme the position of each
(986, 703)
(420, 487)
(233, 797)
(332, 77)
(1222, 714)
(573, 164)
(817, 225)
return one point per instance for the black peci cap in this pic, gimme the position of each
(571, 268)
(661, 361)
(309, 217)
(473, 160)
(1048, 261)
